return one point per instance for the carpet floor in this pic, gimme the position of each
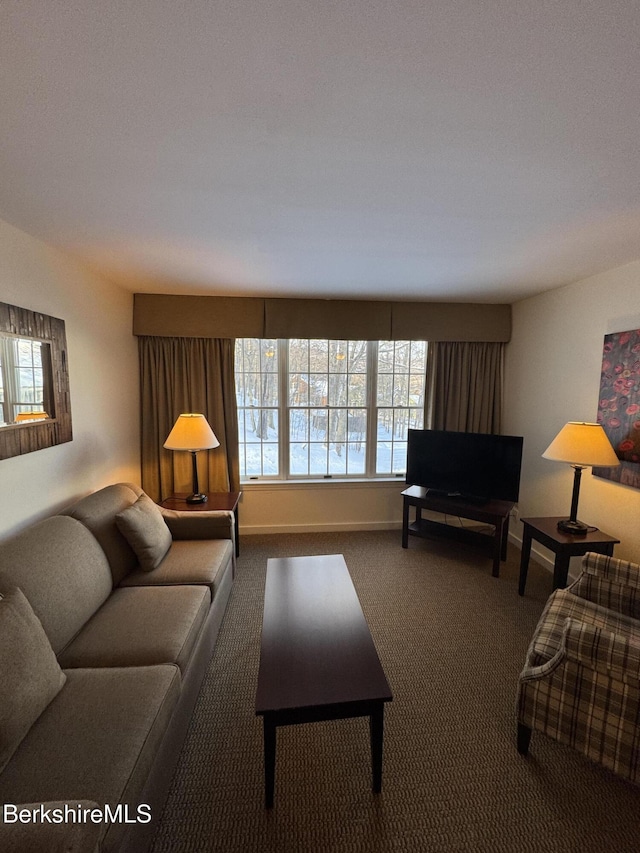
(452, 640)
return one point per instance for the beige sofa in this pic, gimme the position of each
(112, 679)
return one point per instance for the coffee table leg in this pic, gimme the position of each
(269, 760)
(376, 728)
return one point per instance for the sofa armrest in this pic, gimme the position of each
(609, 582)
(47, 831)
(209, 524)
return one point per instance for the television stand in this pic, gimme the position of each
(458, 497)
(492, 512)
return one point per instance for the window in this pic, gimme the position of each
(401, 371)
(258, 398)
(326, 408)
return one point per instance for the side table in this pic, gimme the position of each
(215, 500)
(564, 546)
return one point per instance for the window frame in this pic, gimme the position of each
(13, 388)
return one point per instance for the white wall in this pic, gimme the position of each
(103, 371)
(311, 507)
(553, 367)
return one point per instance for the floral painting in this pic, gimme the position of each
(619, 406)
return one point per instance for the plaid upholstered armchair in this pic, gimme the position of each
(581, 680)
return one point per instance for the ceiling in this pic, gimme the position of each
(476, 150)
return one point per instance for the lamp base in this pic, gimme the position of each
(197, 498)
(573, 528)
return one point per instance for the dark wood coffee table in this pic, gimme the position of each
(317, 659)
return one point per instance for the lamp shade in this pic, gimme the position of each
(582, 445)
(191, 432)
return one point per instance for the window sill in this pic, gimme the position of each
(333, 482)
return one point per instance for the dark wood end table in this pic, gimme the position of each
(563, 545)
(317, 657)
(215, 500)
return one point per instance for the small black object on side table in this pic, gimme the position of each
(563, 545)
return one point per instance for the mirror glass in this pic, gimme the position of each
(26, 381)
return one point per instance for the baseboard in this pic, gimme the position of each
(543, 559)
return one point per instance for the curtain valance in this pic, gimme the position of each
(255, 317)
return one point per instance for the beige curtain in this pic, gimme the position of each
(187, 375)
(464, 386)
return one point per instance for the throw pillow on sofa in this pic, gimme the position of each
(30, 676)
(144, 528)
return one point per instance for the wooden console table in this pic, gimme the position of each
(490, 512)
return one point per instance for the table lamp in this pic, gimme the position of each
(192, 432)
(582, 445)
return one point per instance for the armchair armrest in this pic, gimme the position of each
(618, 571)
(611, 654)
(598, 649)
(209, 524)
(609, 582)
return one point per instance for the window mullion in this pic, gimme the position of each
(284, 410)
(372, 411)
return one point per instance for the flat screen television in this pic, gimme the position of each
(473, 466)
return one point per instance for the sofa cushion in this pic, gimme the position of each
(62, 571)
(98, 512)
(563, 605)
(140, 626)
(97, 740)
(30, 676)
(42, 835)
(144, 528)
(199, 561)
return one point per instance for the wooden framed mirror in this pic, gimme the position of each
(35, 406)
